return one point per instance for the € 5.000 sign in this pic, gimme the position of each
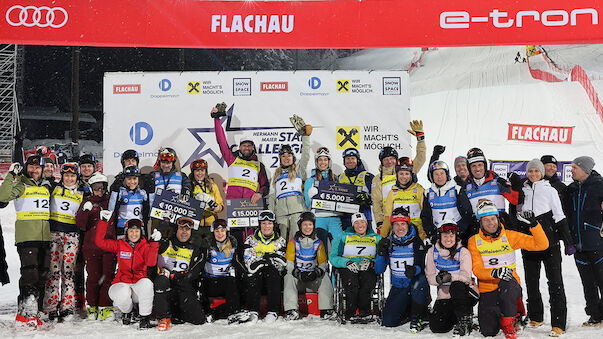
(145, 111)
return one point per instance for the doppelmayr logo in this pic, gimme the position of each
(501, 19)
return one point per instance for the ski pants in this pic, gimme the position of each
(551, 258)
(590, 268)
(35, 261)
(399, 299)
(79, 279)
(447, 312)
(125, 295)
(176, 298)
(332, 226)
(59, 294)
(100, 267)
(270, 279)
(225, 287)
(321, 285)
(288, 225)
(501, 302)
(358, 289)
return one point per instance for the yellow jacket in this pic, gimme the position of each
(411, 197)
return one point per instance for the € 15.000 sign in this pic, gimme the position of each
(146, 111)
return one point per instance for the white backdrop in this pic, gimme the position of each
(144, 111)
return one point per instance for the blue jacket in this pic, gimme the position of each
(582, 207)
(399, 246)
(337, 247)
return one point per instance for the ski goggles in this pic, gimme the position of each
(185, 222)
(219, 223)
(134, 223)
(167, 156)
(197, 164)
(70, 167)
(351, 152)
(449, 228)
(400, 217)
(266, 215)
(323, 151)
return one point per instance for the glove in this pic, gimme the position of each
(276, 260)
(428, 242)
(87, 206)
(515, 181)
(365, 264)
(219, 111)
(383, 246)
(319, 272)
(300, 126)
(417, 129)
(308, 276)
(570, 250)
(352, 266)
(443, 277)
(156, 235)
(363, 199)
(502, 273)
(15, 169)
(438, 149)
(410, 271)
(105, 215)
(212, 204)
(528, 217)
(296, 273)
(256, 266)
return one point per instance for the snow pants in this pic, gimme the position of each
(288, 225)
(100, 267)
(125, 295)
(59, 294)
(590, 268)
(35, 260)
(358, 289)
(270, 279)
(399, 299)
(551, 258)
(321, 285)
(447, 312)
(176, 298)
(225, 287)
(501, 302)
(332, 226)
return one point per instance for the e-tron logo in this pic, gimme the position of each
(314, 83)
(500, 19)
(43, 16)
(165, 85)
(136, 133)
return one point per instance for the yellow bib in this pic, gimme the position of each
(497, 253)
(64, 205)
(175, 260)
(409, 198)
(33, 204)
(356, 246)
(387, 183)
(358, 180)
(244, 173)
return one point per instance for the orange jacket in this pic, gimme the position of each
(535, 242)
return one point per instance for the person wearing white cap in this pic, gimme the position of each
(353, 253)
(583, 204)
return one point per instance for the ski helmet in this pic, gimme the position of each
(131, 171)
(400, 214)
(129, 154)
(436, 165)
(266, 215)
(96, 178)
(322, 152)
(197, 164)
(134, 223)
(448, 226)
(70, 167)
(404, 164)
(476, 155)
(486, 207)
(87, 158)
(352, 152)
(387, 151)
(42, 150)
(306, 216)
(35, 159)
(219, 223)
(185, 222)
(286, 149)
(167, 154)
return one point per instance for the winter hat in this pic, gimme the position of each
(459, 159)
(48, 160)
(537, 164)
(357, 216)
(586, 163)
(548, 159)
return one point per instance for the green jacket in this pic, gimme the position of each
(25, 230)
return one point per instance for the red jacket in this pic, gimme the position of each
(132, 263)
(87, 221)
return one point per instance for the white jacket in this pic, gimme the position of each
(541, 198)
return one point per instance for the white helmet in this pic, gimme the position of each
(96, 178)
(322, 152)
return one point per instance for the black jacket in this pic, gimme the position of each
(582, 206)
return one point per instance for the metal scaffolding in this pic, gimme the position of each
(9, 115)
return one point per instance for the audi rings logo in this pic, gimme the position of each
(30, 16)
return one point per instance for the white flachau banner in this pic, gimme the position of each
(145, 111)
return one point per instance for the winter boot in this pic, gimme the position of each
(556, 332)
(106, 313)
(126, 318)
(535, 324)
(67, 316)
(508, 327)
(416, 324)
(271, 317)
(592, 322)
(328, 315)
(27, 316)
(463, 326)
(164, 324)
(252, 318)
(292, 315)
(238, 317)
(145, 322)
(92, 313)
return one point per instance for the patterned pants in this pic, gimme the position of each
(60, 287)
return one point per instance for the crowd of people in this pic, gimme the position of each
(456, 235)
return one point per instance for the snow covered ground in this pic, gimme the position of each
(466, 97)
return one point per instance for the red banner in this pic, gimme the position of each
(299, 24)
(538, 133)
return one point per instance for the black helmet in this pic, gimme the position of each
(87, 158)
(286, 149)
(404, 164)
(35, 159)
(131, 171)
(306, 216)
(476, 155)
(129, 154)
(387, 151)
(352, 152)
